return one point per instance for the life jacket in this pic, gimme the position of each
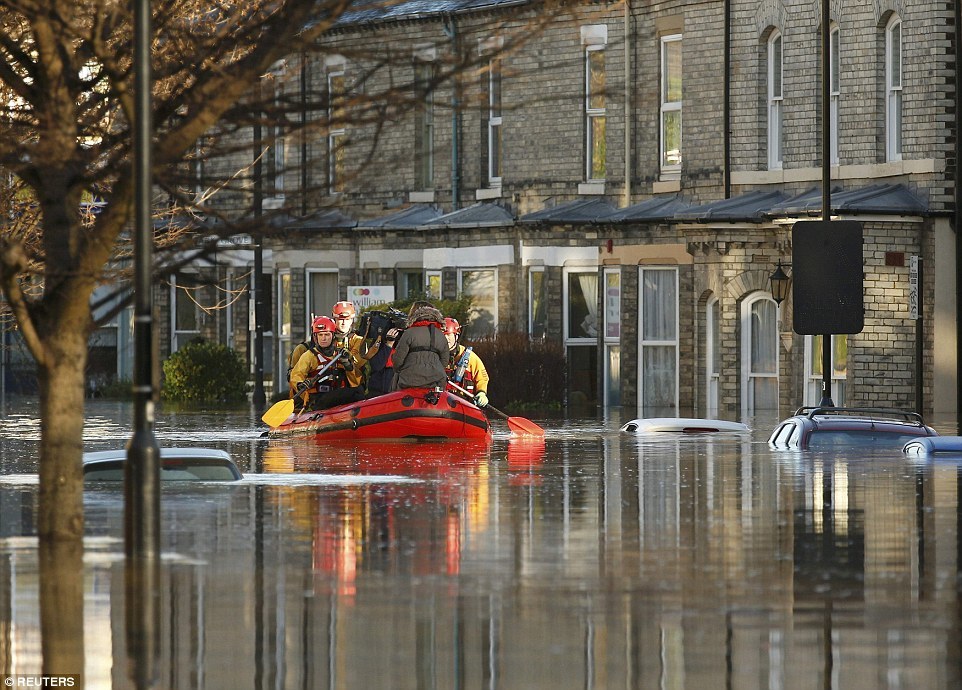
(295, 355)
(335, 377)
(458, 371)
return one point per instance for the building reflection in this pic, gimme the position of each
(604, 562)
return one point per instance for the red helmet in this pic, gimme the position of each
(323, 324)
(451, 326)
(343, 309)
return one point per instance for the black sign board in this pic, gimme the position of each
(827, 277)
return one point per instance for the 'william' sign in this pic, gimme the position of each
(827, 277)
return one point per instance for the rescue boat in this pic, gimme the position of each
(412, 413)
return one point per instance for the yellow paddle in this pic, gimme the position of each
(280, 411)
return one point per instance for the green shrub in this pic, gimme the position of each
(204, 372)
(455, 308)
(524, 371)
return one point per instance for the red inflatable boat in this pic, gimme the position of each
(411, 413)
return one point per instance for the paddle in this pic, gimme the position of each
(517, 424)
(280, 411)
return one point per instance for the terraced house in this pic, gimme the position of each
(622, 178)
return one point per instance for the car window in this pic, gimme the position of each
(780, 437)
(832, 438)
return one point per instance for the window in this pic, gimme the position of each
(658, 340)
(494, 122)
(581, 321)
(595, 112)
(410, 283)
(671, 103)
(612, 334)
(267, 316)
(202, 153)
(432, 284)
(712, 355)
(893, 90)
(424, 124)
(813, 369)
(537, 305)
(284, 321)
(835, 93)
(481, 284)
(185, 311)
(759, 354)
(274, 145)
(775, 102)
(336, 92)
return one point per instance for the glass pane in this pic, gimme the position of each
(614, 376)
(671, 77)
(583, 375)
(764, 394)
(613, 304)
(764, 338)
(185, 309)
(536, 305)
(658, 305)
(895, 55)
(840, 356)
(480, 285)
(495, 152)
(671, 150)
(596, 79)
(658, 372)
(815, 362)
(495, 86)
(897, 120)
(836, 65)
(597, 151)
(335, 88)
(434, 285)
(582, 305)
(777, 67)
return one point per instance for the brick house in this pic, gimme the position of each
(582, 186)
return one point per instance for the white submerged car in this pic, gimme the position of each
(682, 425)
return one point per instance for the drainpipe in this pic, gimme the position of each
(957, 216)
(629, 46)
(726, 103)
(451, 31)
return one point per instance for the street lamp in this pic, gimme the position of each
(780, 283)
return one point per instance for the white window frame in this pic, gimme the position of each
(565, 297)
(712, 346)
(276, 146)
(424, 118)
(179, 337)
(314, 309)
(494, 309)
(668, 107)
(893, 89)
(429, 277)
(644, 342)
(835, 91)
(495, 121)
(748, 375)
(269, 321)
(282, 328)
(593, 113)
(776, 73)
(335, 134)
(611, 315)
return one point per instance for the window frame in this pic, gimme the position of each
(747, 369)
(835, 90)
(712, 354)
(669, 107)
(473, 312)
(424, 124)
(495, 123)
(336, 132)
(775, 99)
(650, 342)
(893, 91)
(595, 113)
(274, 149)
(534, 296)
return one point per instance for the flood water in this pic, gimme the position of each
(592, 559)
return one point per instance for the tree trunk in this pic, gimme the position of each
(60, 523)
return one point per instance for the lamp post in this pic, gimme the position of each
(780, 283)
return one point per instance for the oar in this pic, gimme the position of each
(516, 424)
(280, 411)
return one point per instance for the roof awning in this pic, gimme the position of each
(659, 208)
(752, 207)
(879, 199)
(404, 219)
(591, 210)
(480, 215)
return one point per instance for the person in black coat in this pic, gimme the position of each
(421, 351)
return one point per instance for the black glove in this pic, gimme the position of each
(348, 361)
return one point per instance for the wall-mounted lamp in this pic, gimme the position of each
(780, 283)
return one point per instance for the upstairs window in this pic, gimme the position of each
(893, 90)
(595, 112)
(775, 102)
(336, 140)
(424, 125)
(274, 145)
(671, 103)
(835, 92)
(494, 122)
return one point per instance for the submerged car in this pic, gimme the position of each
(176, 464)
(828, 427)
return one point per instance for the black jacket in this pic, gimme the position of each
(421, 352)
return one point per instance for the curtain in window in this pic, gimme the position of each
(764, 356)
(589, 290)
(658, 306)
(658, 372)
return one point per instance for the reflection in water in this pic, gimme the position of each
(590, 559)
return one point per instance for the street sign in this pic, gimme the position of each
(827, 277)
